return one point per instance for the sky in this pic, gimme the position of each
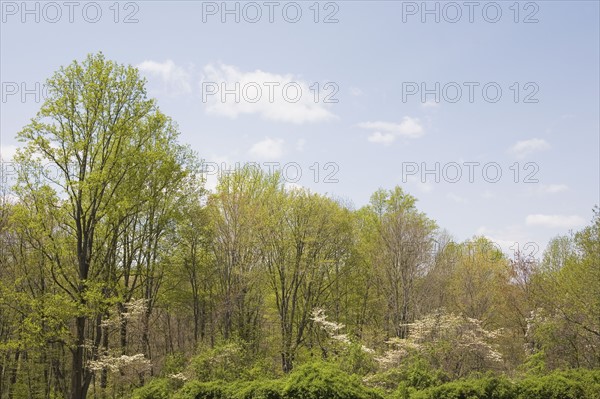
(486, 112)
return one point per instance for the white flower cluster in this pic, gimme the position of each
(179, 376)
(319, 317)
(333, 329)
(460, 331)
(133, 309)
(137, 362)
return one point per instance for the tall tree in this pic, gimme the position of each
(304, 246)
(235, 215)
(567, 293)
(404, 247)
(100, 133)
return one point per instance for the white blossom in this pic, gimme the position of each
(136, 362)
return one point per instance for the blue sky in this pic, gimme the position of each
(375, 62)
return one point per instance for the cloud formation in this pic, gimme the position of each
(523, 148)
(387, 132)
(228, 91)
(555, 221)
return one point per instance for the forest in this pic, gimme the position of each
(121, 276)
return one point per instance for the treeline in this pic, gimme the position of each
(121, 271)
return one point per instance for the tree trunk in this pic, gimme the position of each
(77, 375)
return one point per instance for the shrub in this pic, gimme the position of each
(261, 389)
(158, 388)
(325, 381)
(580, 384)
(355, 359)
(225, 362)
(415, 373)
(174, 363)
(572, 384)
(483, 388)
(203, 390)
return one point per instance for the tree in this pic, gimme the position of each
(566, 325)
(104, 140)
(404, 248)
(479, 282)
(235, 213)
(304, 245)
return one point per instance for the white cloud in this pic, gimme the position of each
(382, 138)
(388, 132)
(553, 188)
(525, 147)
(267, 149)
(511, 239)
(554, 221)
(409, 127)
(283, 98)
(430, 104)
(7, 152)
(543, 190)
(175, 80)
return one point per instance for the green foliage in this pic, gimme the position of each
(413, 374)
(224, 362)
(571, 384)
(325, 381)
(120, 257)
(158, 388)
(418, 380)
(174, 363)
(203, 390)
(260, 389)
(483, 388)
(534, 365)
(420, 375)
(355, 360)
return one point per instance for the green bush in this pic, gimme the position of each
(571, 384)
(261, 389)
(325, 381)
(482, 388)
(224, 362)
(158, 388)
(322, 380)
(261, 369)
(174, 363)
(417, 373)
(354, 360)
(203, 390)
